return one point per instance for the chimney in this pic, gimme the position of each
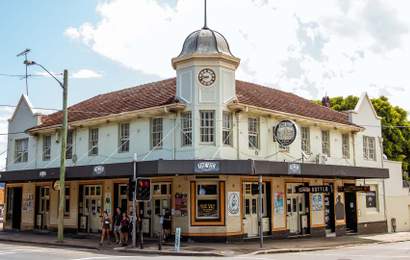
(326, 101)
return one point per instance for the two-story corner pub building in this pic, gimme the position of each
(203, 138)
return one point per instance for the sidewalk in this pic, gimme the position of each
(250, 247)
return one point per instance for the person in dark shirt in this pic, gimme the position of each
(124, 227)
(116, 225)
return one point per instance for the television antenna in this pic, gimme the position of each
(25, 52)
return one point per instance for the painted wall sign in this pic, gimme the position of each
(181, 204)
(354, 189)
(206, 166)
(98, 170)
(294, 169)
(285, 132)
(278, 199)
(234, 203)
(317, 202)
(314, 189)
(42, 174)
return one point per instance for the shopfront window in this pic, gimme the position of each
(371, 198)
(207, 201)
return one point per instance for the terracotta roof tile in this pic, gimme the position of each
(163, 93)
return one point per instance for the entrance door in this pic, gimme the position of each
(14, 198)
(351, 214)
(251, 206)
(296, 209)
(92, 207)
(161, 205)
(43, 200)
(330, 211)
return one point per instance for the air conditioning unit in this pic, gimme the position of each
(321, 158)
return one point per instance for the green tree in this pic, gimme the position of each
(395, 126)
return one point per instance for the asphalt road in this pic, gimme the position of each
(380, 252)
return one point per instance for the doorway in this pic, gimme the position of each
(351, 212)
(14, 199)
(329, 200)
(90, 208)
(121, 197)
(297, 210)
(161, 205)
(42, 207)
(251, 207)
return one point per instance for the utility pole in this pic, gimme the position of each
(62, 160)
(134, 208)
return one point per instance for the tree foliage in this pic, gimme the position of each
(395, 126)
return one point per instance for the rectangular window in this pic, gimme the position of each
(46, 148)
(124, 138)
(207, 201)
(207, 131)
(253, 133)
(371, 199)
(345, 146)
(227, 128)
(326, 142)
(156, 132)
(305, 133)
(69, 150)
(93, 142)
(369, 148)
(186, 128)
(66, 203)
(21, 150)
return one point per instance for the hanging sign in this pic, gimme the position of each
(285, 132)
(354, 189)
(233, 204)
(314, 189)
(206, 166)
(294, 169)
(98, 170)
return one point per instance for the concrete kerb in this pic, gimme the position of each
(169, 252)
(54, 244)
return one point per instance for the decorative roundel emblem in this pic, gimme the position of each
(285, 132)
(206, 77)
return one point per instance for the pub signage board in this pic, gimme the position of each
(206, 167)
(294, 169)
(285, 132)
(354, 189)
(314, 189)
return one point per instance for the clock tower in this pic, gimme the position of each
(205, 71)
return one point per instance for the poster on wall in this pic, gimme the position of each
(27, 202)
(278, 202)
(107, 203)
(233, 204)
(181, 204)
(339, 208)
(317, 202)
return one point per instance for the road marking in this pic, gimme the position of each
(102, 257)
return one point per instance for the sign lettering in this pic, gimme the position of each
(206, 166)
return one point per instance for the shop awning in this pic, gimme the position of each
(197, 167)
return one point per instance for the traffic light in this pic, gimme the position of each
(143, 189)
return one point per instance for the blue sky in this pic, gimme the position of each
(338, 47)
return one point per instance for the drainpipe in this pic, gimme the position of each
(237, 135)
(174, 137)
(383, 181)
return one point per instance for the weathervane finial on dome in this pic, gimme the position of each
(205, 18)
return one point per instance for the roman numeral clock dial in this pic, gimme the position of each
(206, 77)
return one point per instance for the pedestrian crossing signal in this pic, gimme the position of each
(143, 189)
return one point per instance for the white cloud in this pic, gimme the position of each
(340, 47)
(86, 74)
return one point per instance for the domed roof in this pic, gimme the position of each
(205, 41)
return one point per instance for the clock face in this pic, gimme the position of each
(206, 77)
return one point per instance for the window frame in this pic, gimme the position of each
(253, 131)
(369, 148)
(207, 126)
(70, 145)
(21, 155)
(123, 137)
(157, 132)
(227, 128)
(326, 142)
(186, 128)
(46, 155)
(305, 139)
(93, 139)
(346, 146)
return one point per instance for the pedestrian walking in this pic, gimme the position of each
(117, 225)
(106, 224)
(124, 227)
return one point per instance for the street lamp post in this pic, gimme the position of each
(64, 86)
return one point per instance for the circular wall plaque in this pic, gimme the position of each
(285, 132)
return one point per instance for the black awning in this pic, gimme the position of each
(197, 167)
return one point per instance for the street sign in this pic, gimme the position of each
(354, 189)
